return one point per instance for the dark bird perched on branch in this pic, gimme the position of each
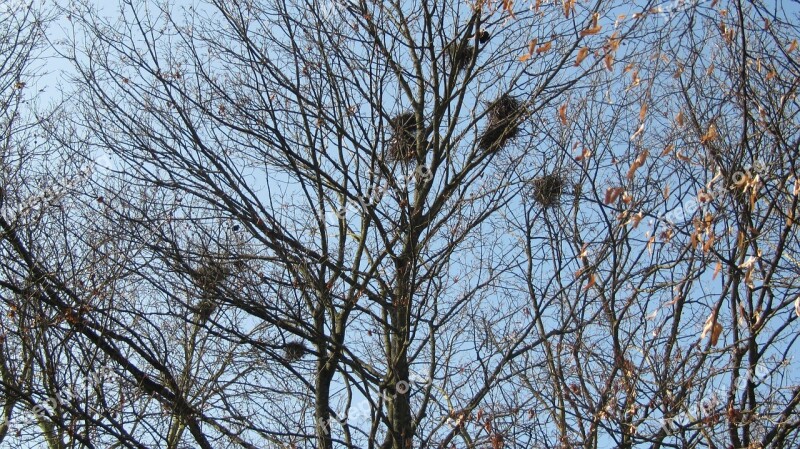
(483, 36)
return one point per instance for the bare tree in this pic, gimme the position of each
(23, 344)
(417, 224)
(684, 323)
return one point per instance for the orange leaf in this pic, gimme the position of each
(591, 31)
(668, 149)
(792, 46)
(609, 62)
(544, 47)
(729, 34)
(694, 239)
(679, 118)
(582, 54)
(612, 193)
(713, 328)
(642, 157)
(614, 41)
(716, 270)
(508, 6)
(638, 162)
(715, 333)
(562, 114)
(748, 277)
(627, 198)
(710, 135)
(636, 219)
(585, 154)
(643, 111)
(568, 5)
(635, 80)
(531, 47)
(632, 171)
(638, 132)
(709, 243)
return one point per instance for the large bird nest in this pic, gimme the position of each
(496, 136)
(547, 189)
(403, 145)
(505, 116)
(211, 275)
(294, 351)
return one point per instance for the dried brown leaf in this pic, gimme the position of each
(582, 54)
(562, 114)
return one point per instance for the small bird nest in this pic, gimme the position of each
(460, 55)
(294, 351)
(403, 144)
(505, 115)
(547, 189)
(205, 309)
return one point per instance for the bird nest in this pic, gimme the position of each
(460, 55)
(210, 276)
(402, 146)
(205, 309)
(505, 115)
(504, 108)
(496, 136)
(547, 189)
(294, 351)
